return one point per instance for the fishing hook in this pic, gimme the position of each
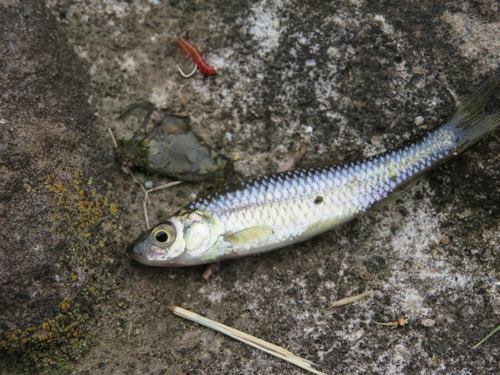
(186, 75)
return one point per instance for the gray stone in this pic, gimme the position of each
(378, 66)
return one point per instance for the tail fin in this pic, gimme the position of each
(470, 123)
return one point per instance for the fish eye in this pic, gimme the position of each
(161, 236)
(164, 234)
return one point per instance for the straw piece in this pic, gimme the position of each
(247, 339)
(146, 200)
(164, 186)
(486, 338)
(348, 300)
(113, 138)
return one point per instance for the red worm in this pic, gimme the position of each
(196, 55)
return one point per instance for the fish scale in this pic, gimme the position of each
(277, 210)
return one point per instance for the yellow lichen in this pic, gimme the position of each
(78, 207)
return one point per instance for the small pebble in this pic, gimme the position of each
(332, 52)
(445, 240)
(429, 323)
(303, 41)
(122, 302)
(235, 156)
(376, 140)
(419, 120)
(311, 62)
(148, 184)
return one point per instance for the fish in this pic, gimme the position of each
(281, 209)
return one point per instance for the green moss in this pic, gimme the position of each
(131, 153)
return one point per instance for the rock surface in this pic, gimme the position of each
(49, 205)
(349, 79)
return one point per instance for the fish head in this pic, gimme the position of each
(180, 241)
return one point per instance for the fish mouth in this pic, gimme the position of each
(143, 252)
(136, 250)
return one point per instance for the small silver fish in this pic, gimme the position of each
(281, 209)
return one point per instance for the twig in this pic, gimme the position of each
(401, 322)
(147, 201)
(210, 270)
(140, 184)
(165, 186)
(145, 207)
(348, 300)
(113, 138)
(247, 339)
(130, 327)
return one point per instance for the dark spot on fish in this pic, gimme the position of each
(318, 199)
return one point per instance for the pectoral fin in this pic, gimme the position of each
(249, 237)
(234, 245)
